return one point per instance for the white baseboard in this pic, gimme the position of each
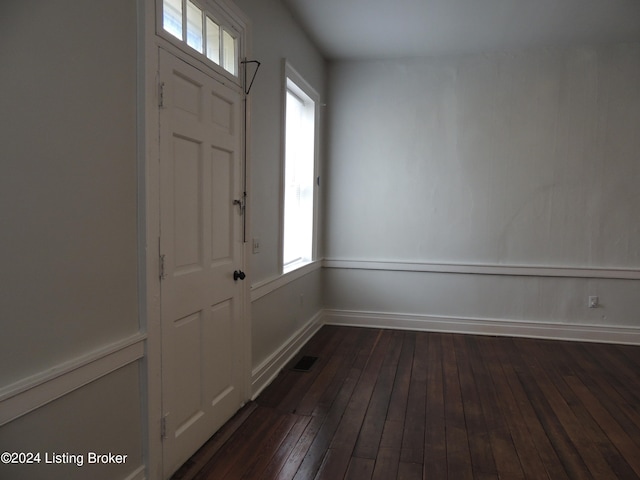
(263, 374)
(483, 326)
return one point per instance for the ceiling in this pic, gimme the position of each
(349, 29)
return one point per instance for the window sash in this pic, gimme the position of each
(187, 22)
(299, 173)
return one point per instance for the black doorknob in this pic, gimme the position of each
(238, 274)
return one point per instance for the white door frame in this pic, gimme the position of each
(149, 220)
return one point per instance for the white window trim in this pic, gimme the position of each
(288, 72)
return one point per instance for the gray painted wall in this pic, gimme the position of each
(68, 229)
(105, 416)
(68, 188)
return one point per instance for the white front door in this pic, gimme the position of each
(201, 247)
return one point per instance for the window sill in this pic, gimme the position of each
(297, 271)
(295, 266)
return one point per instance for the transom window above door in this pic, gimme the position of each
(201, 31)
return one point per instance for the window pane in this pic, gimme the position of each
(172, 17)
(188, 22)
(213, 41)
(299, 175)
(194, 27)
(229, 52)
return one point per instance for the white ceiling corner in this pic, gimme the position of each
(350, 29)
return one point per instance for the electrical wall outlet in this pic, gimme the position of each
(256, 245)
(593, 302)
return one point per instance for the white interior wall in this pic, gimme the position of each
(284, 309)
(275, 36)
(527, 159)
(522, 159)
(293, 305)
(70, 342)
(529, 306)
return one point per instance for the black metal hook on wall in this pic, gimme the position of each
(243, 202)
(255, 72)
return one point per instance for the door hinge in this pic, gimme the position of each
(162, 267)
(161, 95)
(163, 427)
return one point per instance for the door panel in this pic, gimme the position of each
(202, 346)
(222, 178)
(187, 226)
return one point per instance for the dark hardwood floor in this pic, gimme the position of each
(383, 404)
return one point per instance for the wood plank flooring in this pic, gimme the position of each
(383, 404)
